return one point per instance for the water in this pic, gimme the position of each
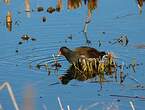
(114, 17)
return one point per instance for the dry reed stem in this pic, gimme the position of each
(132, 105)
(1, 108)
(60, 104)
(68, 107)
(8, 86)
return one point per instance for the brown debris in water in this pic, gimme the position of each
(25, 38)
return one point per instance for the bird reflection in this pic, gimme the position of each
(74, 73)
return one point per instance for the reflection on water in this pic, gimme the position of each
(9, 21)
(27, 7)
(51, 35)
(100, 69)
(73, 4)
(28, 98)
(140, 5)
(59, 5)
(91, 4)
(7, 2)
(87, 68)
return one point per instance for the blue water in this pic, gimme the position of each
(114, 17)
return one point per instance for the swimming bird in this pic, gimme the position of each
(72, 56)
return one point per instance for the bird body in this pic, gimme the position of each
(73, 55)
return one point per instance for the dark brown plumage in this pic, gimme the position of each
(73, 55)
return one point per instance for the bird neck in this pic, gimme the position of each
(71, 56)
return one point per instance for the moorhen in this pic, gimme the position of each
(73, 55)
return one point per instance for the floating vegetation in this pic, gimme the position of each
(47, 64)
(122, 40)
(9, 21)
(40, 9)
(25, 38)
(51, 10)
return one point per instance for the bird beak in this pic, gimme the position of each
(60, 78)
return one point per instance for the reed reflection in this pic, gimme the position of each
(27, 8)
(92, 5)
(9, 21)
(7, 2)
(74, 4)
(140, 5)
(59, 5)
